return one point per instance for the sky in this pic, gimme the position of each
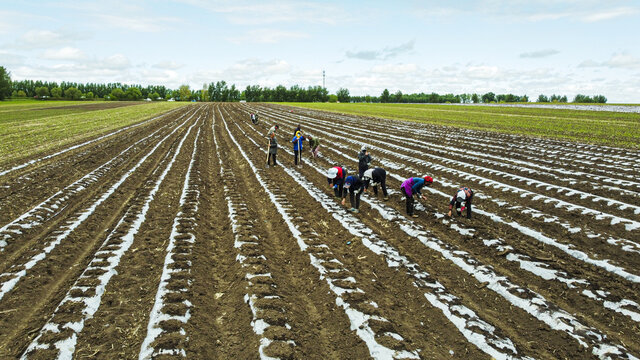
(564, 47)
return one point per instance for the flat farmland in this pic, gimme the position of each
(618, 127)
(172, 239)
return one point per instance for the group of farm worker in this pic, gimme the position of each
(343, 183)
(355, 185)
(297, 141)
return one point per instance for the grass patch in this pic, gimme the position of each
(42, 130)
(598, 127)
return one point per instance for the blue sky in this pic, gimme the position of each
(522, 47)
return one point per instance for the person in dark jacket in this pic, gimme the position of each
(297, 141)
(335, 178)
(254, 118)
(363, 161)
(462, 201)
(273, 149)
(355, 187)
(296, 130)
(411, 187)
(374, 177)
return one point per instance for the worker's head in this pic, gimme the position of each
(298, 134)
(348, 182)
(332, 173)
(276, 126)
(428, 180)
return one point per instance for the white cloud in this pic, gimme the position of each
(267, 36)
(138, 23)
(168, 65)
(35, 39)
(383, 54)
(539, 53)
(608, 14)
(527, 11)
(8, 59)
(249, 12)
(115, 62)
(65, 53)
(617, 61)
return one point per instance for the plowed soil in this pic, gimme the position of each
(174, 239)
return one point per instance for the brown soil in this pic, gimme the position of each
(259, 257)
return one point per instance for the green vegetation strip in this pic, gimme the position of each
(40, 135)
(598, 127)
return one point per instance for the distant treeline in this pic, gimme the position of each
(221, 91)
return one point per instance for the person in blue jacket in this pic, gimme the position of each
(355, 187)
(411, 187)
(297, 141)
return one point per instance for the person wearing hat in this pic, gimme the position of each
(411, 187)
(273, 148)
(297, 147)
(272, 130)
(354, 186)
(462, 201)
(314, 144)
(363, 161)
(254, 118)
(375, 177)
(335, 178)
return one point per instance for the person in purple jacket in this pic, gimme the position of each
(411, 187)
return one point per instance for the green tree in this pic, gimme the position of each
(543, 98)
(56, 92)
(475, 99)
(384, 97)
(72, 93)
(117, 94)
(397, 97)
(488, 97)
(333, 98)
(185, 92)
(5, 83)
(343, 95)
(89, 95)
(154, 96)
(42, 91)
(133, 93)
(21, 93)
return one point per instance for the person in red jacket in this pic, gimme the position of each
(335, 178)
(462, 201)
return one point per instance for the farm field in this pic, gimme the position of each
(615, 128)
(26, 130)
(172, 238)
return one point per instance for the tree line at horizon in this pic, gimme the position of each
(221, 91)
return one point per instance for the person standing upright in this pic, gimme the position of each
(273, 149)
(297, 141)
(363, 161)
